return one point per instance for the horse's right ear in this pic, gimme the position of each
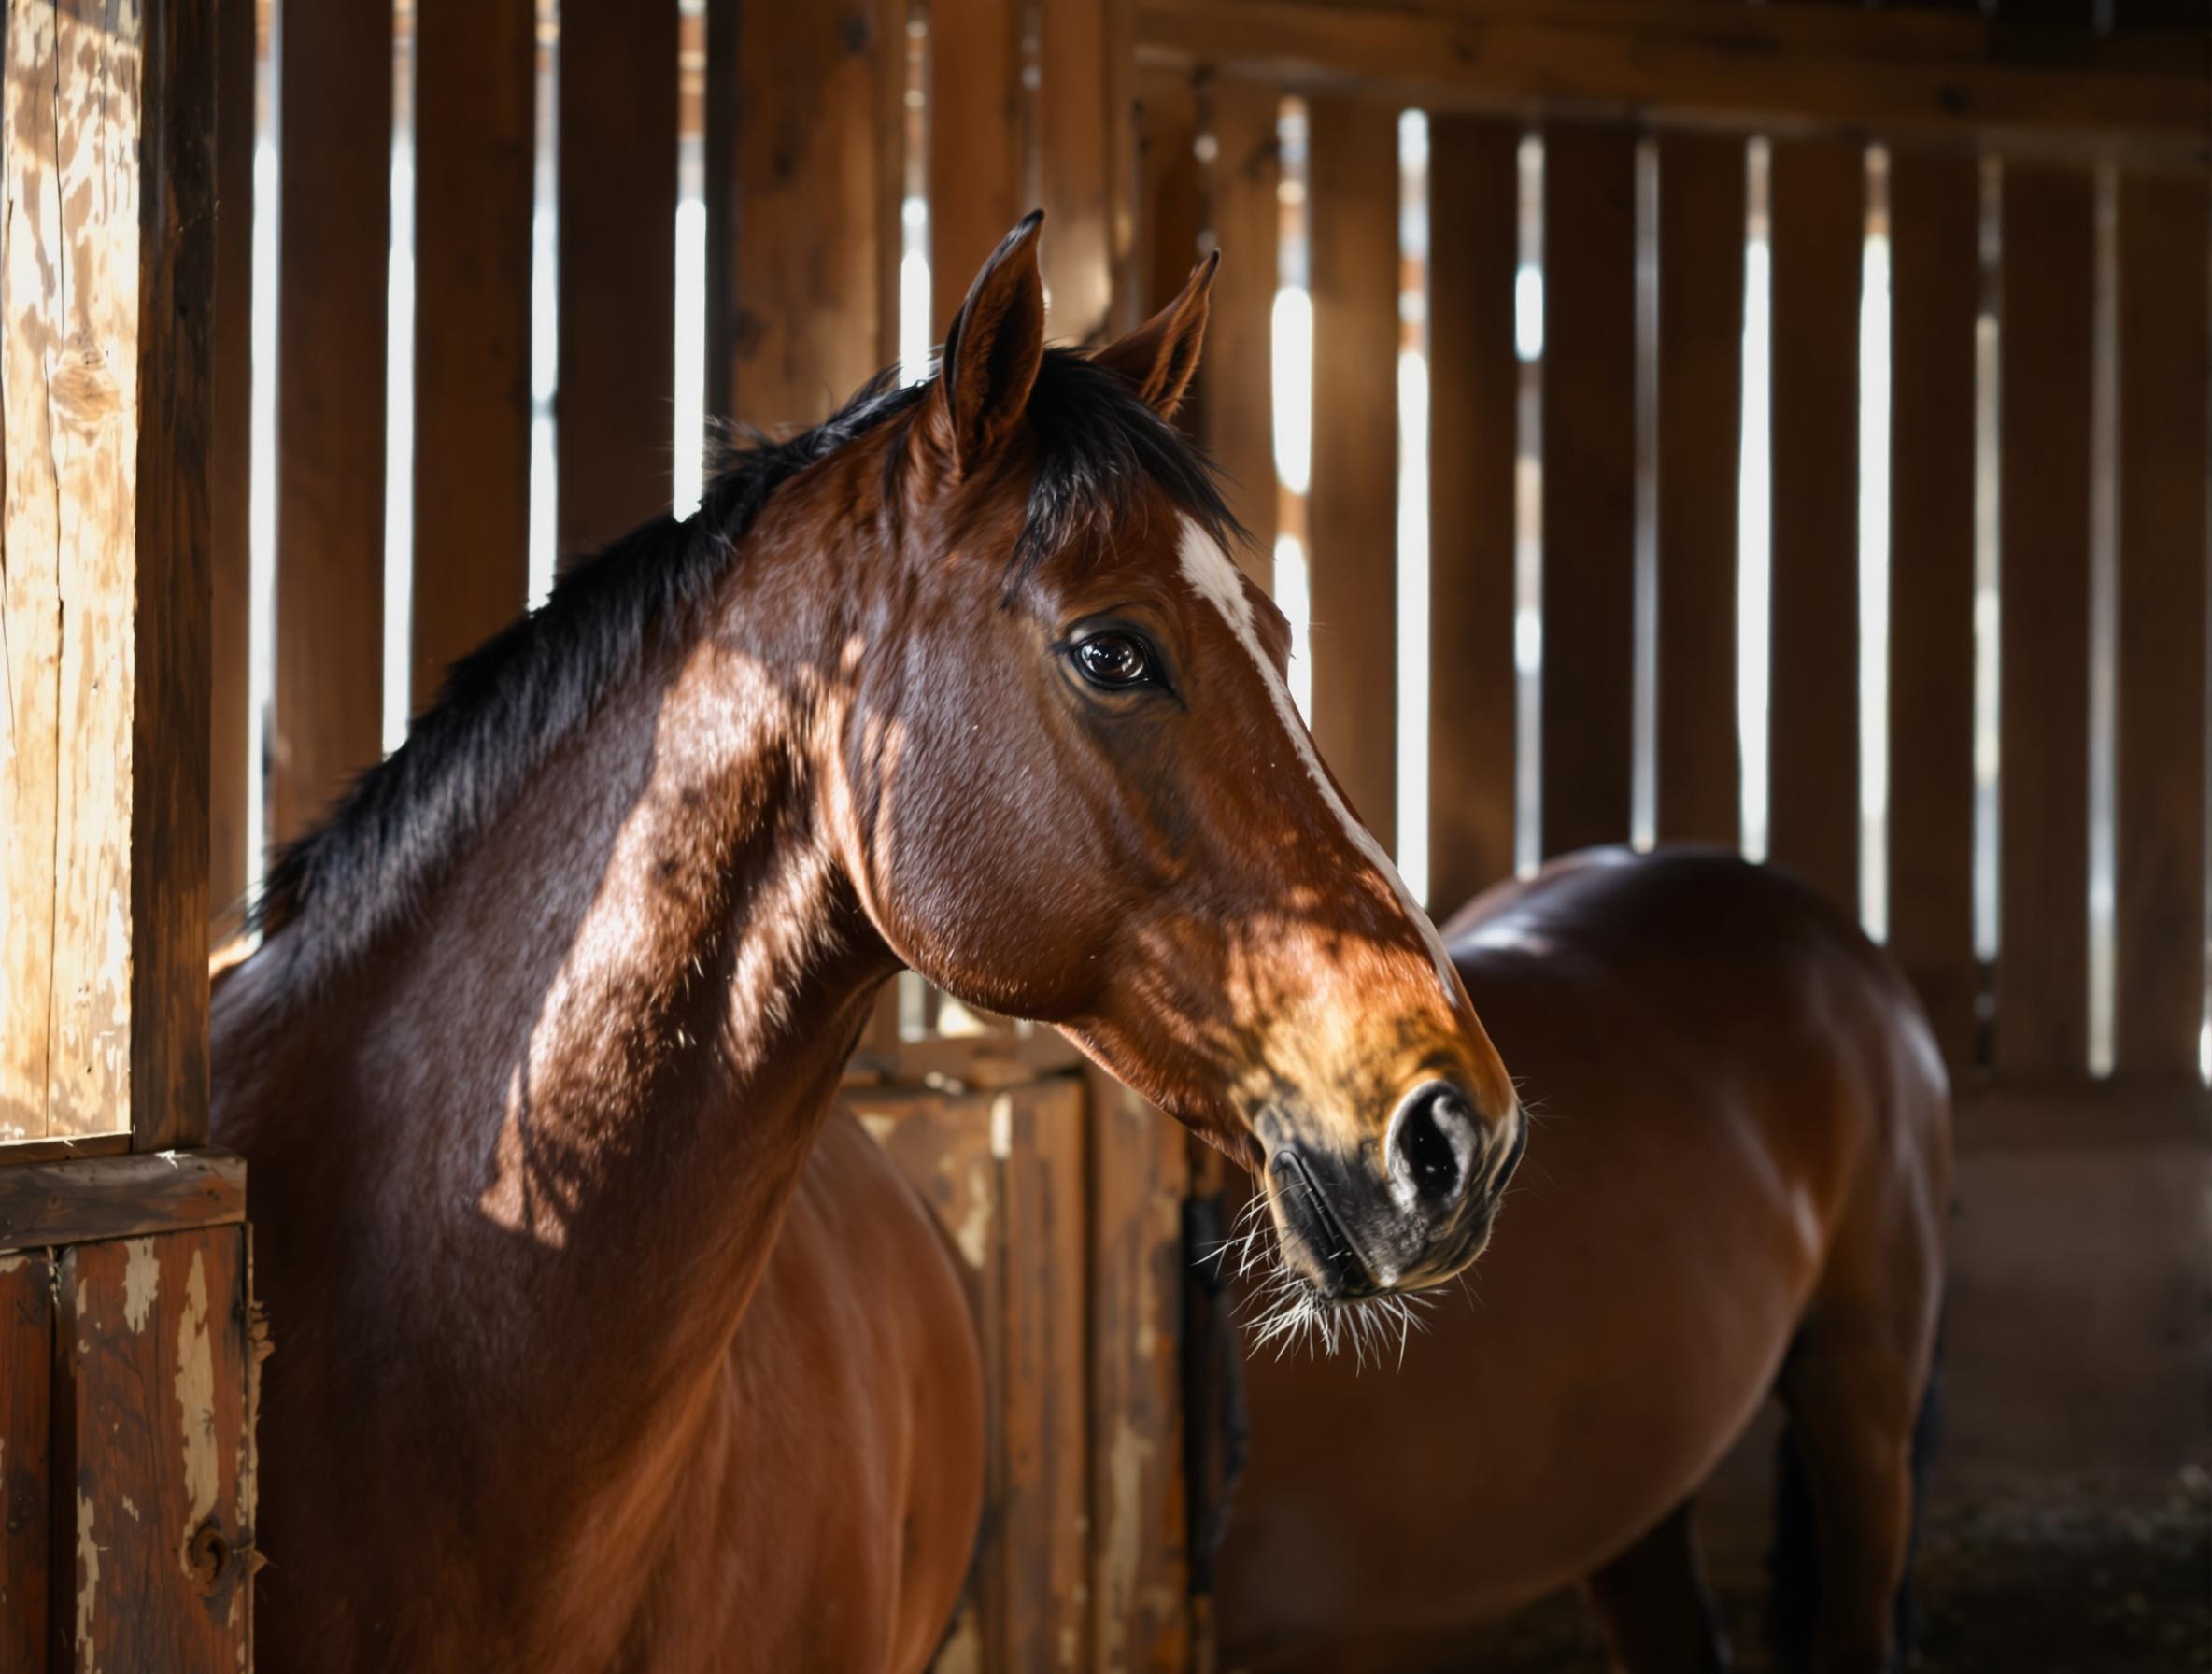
(993, 351)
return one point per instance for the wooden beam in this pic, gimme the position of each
(1589, 504)
(1085, 108)
(2045, 338)
(1936, 297)
(230, 470)
(1474, 195)
(334, 237)
(475, 145)
(52, 1203)
(1818, 238)
(1773, 68)
(1352, 561)
(26, 1456)
(980, 145)
(1236, 385)
(618, 268)
(2165, 362)
(1701, 265)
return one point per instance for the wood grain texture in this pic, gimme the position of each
(153, 1428)
(2049, 247)
(1140, 1568)
(614, 409)
(1700, 448)
(334, 235)
(980, 145)
(52, 1203)
(796, 324)
(1589, 502)
(69, 273)
(2159, 994)
(1473, 436)
(1171, 229)
(1818, 238)
(230, 472)
(172, 609)
(26, 1456)
(1351, 557)
(1236, 383)
(1083, 104)
(1832, 66)
(474, 159)
(1935, 295)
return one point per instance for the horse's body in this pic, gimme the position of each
(1735, 1187)
(600, 1343)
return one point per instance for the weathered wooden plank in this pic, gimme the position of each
(69, 281)
(168, 860)
(1830, 66)
(1083, 101)
(1038, 1131)
(1139, 1573)
(1236, 382)
(2049, 248)
(51, 1203)
(1935, 295)
(980, 145)
(1701, 261)
(476, 141)
(1818, 241)
(26, 1456)
(1473, 436)
(334, 237)
(1352, 209)
(1588, 499)
(152, 1383)
(230, 470)
(617, 269)
(2159, 974)
(1172, 194)
(798, 259)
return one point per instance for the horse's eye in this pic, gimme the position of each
(1115, 662)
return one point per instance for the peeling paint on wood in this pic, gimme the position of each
(142, 1280)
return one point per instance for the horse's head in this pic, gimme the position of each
(1079, 792)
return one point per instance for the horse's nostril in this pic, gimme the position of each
(1432, 1144)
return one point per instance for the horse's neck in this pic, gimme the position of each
(543, 1147)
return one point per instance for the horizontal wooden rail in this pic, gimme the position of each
(2065, 1114)
(1784, 69)
(44, 1204)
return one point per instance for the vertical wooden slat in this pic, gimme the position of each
(1038, 1132)
(335, 233)
(1935, 295)
(153, 1387)
(1171, 192)
(1139, 1567)
(1819, 240)
(230, 465)
(168, 860)
(800, 331)
(2160, 771)
(1701, 261)
(26, 1455)
(617, 268)
(1077, 153)
(979, 144)
(1474, 382)
(1352, 208)
(474, 159)
(2045, 350)
(1236, 376)
(1589, 495)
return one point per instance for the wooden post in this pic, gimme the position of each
(980, 149)
(1474, 386)
(1589, 461)
(1936, 291)
(1236, 376)
(230, 467)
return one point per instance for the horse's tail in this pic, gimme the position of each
(1793, 1563)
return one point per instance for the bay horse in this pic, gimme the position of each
(1737, 1185)
(581, 1363)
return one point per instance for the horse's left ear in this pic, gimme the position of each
(1158, 359)
(994, 349)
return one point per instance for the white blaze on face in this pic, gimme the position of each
(1214, 577)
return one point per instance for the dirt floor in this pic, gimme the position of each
(2059, 1579)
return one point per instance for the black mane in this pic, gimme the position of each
(506, 705)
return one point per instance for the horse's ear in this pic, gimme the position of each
(1158, 359)
(994, 349)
